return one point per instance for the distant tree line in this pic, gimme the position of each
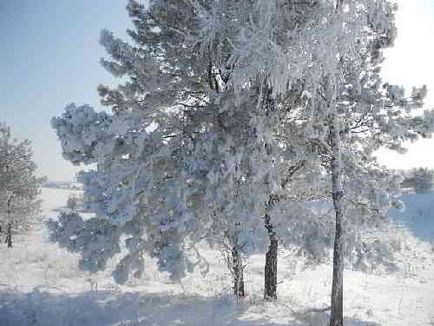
(419, 179)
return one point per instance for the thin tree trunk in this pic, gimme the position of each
(270, 287)
(9, 226)
(337, 296)
(336, 317)
(270, 269)
(9, 235)
(237, 268)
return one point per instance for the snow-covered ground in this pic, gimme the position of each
(40, 284)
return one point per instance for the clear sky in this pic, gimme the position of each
(49, 57)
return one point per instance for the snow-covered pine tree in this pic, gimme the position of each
(19, 187)
(317, 43)
(181, 159)
(368, 114)
(184, 121)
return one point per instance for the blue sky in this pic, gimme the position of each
(49, 57)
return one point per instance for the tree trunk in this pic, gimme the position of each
(237, 268)
(9, 235)
(9, 227)
(336, 316)
(270, 288)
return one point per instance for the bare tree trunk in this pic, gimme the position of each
(238, 269)
(9, 226)
(235, 260)
(9, 235)
(336, 317)
(270, 287)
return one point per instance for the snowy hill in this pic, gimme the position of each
(41, 285)
(418, 215)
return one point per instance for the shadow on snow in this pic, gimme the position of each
(128, 309)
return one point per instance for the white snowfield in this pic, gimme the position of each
(40, 284)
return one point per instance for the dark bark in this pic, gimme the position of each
(338, 5)
(270, 287)
(336, 316)
(9, 235)
(238, 269)
(270, 274)
(9, 226)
